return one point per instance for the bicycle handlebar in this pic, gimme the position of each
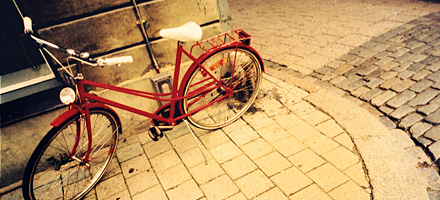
(83, 56)
(114, 61)
(27, 25)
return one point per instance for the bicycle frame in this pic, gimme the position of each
(175, 95)
(83, 102)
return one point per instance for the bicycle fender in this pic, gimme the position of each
(258, 57)
(63, 117)
(74, 110)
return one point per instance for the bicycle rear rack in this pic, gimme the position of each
(238, 35)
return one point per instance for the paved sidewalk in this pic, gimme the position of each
(284, 148)
(290, 145)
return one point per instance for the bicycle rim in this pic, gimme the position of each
(239, 70)
(54, 172)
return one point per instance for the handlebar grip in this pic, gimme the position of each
(27, 25)
(115, 61)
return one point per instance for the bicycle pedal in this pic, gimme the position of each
(155, 133)
(165, 128)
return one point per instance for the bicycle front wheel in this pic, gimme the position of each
(57, 168)
(239, 72)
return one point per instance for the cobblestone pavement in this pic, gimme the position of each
(309, 157)
(398, 73)
(383, 53)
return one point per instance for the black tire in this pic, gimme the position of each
(52, 173)
(246, 83)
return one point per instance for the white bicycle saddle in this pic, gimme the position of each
(189, 32)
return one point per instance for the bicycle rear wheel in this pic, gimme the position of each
(239, 71)
(56, 169)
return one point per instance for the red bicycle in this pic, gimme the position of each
(218, 87)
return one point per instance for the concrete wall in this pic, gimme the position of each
(108, 28)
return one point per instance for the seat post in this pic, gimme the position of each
(177, 67)
(176, 75)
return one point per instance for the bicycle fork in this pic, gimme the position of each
(84, 117)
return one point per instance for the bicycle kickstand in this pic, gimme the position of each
(196, 139)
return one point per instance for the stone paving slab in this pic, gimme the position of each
(261, 156)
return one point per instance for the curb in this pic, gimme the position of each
(391, 170)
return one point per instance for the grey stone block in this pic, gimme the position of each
(355, 85)
(343, 69)
(344, 84)
(405, 74)
(329, 76)
(402, 85)
(373, 75)
(431, 51)
(403, 66)
(402, 111)
(352, 71)
(390, 65)
(420, 86)
(374, 83)
(424, 97)
(385, 109)
(415, 44)
(421, 75)
(433, 133)
(401, 99)
(416, 67)
(360, 91)
(324, 70)
(371, 94)
(383, 60)
(435, 76)
(434, 117)
(405, 57)
(419, 49)
(436, 85)
(424, 141)
(428, 109)
(389, 74)
(395, 47)
(390, 83)
(435, 149)
(434, 67)
(419, 129)
(400, 52)
(369, 69)
(434, 42)
(382, 98)
(429, 60)
(410, 120)
(418, 58)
